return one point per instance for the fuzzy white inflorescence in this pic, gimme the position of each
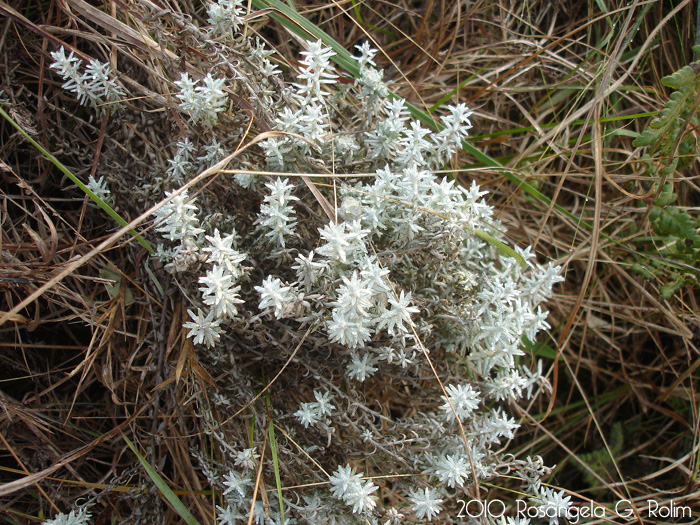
(409, 279)
(445, 288)
(94, 85)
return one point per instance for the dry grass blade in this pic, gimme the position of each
(93, 343)
(112, 239)
(163, 487)
(31, 479)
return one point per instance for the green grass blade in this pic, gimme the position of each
(102, 204)
(163, 487)
(502, 248)
(356, 9)
(273, 451)
(449, 95)
(550, 125)
(539, 349)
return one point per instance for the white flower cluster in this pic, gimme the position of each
(237, 493)
(177, 219)
(473, 300)
(202, 102)
(349, 487)
(246, 458)
(277, 216)
(412, 268)
(315, 411)
(75, 517)
(311, 120)
(461, 401)
(178, 222)
(426, 503)
(187, 163)
(316, 71)
(372, 88)
(345, 288)
(225, 17)
(220, 291)
(95, 86)
(237, 490)
(99, 187)
(276, 296)
(553, 505)
(260, 53)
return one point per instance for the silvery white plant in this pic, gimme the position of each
(348, 486)
(202, 100)
(552, 505)
(315, 411)
(225, 17)
(99, 187)
(75, 517)
(400, 277)
(182, 164)
(94, 86)
(426, 503)
(277, 215)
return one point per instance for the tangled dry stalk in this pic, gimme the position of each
(559, 91)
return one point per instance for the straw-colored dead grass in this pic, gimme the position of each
(81, 365)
